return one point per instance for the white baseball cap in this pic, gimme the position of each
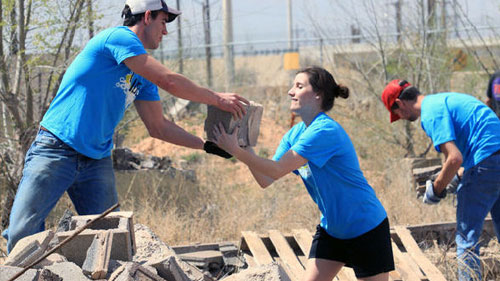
(141, 6)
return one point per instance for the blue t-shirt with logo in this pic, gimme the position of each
(461, 118)
(96, 90)
(333, 178)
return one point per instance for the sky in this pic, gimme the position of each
(266, 20)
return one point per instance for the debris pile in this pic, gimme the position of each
(113, 248)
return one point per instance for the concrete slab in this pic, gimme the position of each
(7, 272)
(50, 260)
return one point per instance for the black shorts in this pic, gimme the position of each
(368, 254)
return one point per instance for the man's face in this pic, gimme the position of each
(405, 110)
(155, 30)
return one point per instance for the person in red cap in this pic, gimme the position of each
(72, 150)
(465, 130)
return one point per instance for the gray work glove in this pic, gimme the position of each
(453, 185)
(429, 196)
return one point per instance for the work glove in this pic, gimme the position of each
(453, 185)
(429, 196)
(212, 148)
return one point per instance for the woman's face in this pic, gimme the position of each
(302, 94)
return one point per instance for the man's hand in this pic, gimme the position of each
(429, 196)
(232, 103)
(212, 148)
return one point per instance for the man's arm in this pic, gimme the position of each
(453, 161)
(182, 87)
(159, 127)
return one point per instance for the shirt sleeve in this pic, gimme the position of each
(439, 127)
(318, 144)
(123, 44)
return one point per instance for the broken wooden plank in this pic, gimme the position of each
(259, 251)
(430, 270)
(287, 255)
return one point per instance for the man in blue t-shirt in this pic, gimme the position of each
(73, 147)
(466, 131)
(493, 93)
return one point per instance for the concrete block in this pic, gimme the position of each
(134, 272)
(149, 245)
(76, 249)
(98, 255)
(115, 220)
(7, 272)
(30, 248)
(169, 269)
(68, 271)
(249, 125)
(209, 260)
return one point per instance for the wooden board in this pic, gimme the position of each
(430, 270)
(259, 251)
(287, 255)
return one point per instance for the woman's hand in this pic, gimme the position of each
(228, 142)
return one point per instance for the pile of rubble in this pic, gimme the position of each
(113, 248)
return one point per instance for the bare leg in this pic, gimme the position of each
(321, 270)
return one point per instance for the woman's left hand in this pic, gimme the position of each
(228, 142)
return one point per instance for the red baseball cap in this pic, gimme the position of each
(391, 92)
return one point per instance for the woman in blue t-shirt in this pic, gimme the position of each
(354, 229)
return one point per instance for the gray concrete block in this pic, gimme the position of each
(7, 272)
(249, 125)
(169, 269)
(67, 271)
(134, 272)
(98, 255)
(76, 249)
(28, 249)
(115, 220)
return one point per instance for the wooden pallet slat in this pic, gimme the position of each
(287, 254)
(259, 251)
(406, 271)
(430, 270)
(304, 239)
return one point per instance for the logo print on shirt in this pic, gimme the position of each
(305, 171)
(130, 87)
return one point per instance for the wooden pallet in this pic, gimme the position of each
(291, 250)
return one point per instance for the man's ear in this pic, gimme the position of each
(147, 17)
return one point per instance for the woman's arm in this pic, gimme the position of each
(265, 171)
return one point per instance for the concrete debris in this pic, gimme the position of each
(98, 256)
(30, 248)
(249, 125)
(125, 159)
(268, 272)
(68, 271)
(113, 248)
(134, 272)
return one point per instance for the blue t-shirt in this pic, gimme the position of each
(461, 118)
(96, 90)
(333, 178)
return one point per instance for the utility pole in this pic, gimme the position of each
(399, 27)
(179, 40)
(290, 24)
(208, 41)
(228, 40)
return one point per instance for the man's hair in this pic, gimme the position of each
(131, 20)
(410, 94)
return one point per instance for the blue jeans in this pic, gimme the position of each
(477, 195)
(51, 167)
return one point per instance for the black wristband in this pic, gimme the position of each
(212, 148)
